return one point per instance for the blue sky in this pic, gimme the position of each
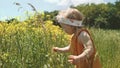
(8, 9)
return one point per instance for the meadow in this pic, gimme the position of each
(25, 45)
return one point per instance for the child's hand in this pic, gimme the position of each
(73, 59)
(55, 49)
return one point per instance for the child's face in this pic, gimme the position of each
(68, 29)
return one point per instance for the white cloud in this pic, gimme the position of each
(52, 1)
(63, 2)
(74, 2)
(77, 2)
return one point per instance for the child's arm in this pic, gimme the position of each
(87, 42)
(65, 49)
(85, 39)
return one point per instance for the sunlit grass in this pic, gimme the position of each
(23, 45)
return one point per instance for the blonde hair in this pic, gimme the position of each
(72, 13)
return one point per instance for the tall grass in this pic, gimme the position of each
(108, 45)
(23, 45)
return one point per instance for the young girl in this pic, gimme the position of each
(83, 52)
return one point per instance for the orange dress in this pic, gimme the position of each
(77, 48)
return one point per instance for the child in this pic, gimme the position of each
(83, 52)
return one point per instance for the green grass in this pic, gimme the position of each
(108, 45)
(25, 46)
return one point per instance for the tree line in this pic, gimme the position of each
(101, 15)
(106, 16)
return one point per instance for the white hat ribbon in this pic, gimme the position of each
(61, 19)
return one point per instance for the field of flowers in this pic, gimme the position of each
(23, 45)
